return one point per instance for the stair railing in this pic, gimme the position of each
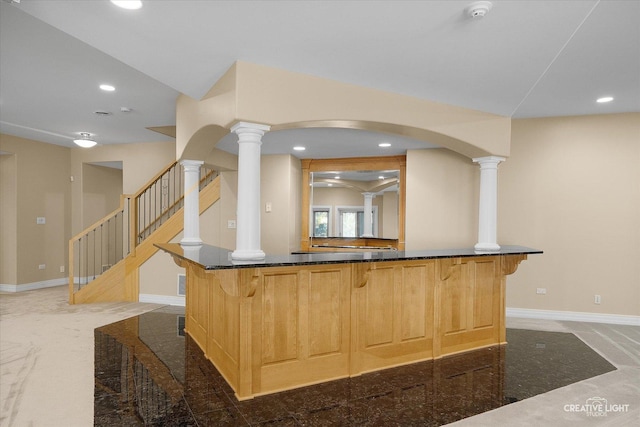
(107, 242)
(100, 246)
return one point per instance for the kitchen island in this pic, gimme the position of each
(294, 320)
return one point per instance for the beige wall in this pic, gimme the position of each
(43, 190)
(101, 191)
(442, 200)
(228, 207)
(572, 188)
(159, 275)
(140, 163)
(284, 99)
(280, 186)
(295, 201)
(8, 219)
(389, 215)
(40, 174)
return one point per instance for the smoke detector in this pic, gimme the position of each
(477, 10)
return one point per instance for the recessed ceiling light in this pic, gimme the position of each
(107, 88)
(337, 177)
(384, 144)
(604, 99)
(330, 185)
(85, 140)
(381, 177)
(299, 148)
(128, 4)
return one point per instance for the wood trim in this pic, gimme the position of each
(154, 179)
(121, 282)
(109, 286)
(168, 209)
(268, 329)
(108, 217)
(71, 267)
(352, 164)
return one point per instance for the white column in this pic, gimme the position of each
(191, 202)
(368, 215)
(248, 215)
(488, 209)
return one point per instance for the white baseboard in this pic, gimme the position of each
(575, 316)
(34, 285)
(162, 299)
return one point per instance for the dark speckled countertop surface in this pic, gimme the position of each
(215, 258)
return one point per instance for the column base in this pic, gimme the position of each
(487, 247)
(191, 241)
(247, 255)
(367, 235)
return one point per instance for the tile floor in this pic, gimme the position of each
(146, 371)
(149, 373)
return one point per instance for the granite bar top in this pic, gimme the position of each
(215, 258)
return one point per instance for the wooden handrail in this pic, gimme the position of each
(133, 232)
(98, 223)
(173, 205)
(154, 179)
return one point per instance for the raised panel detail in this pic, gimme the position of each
(280, 318)
(416, 302)
(198, 302)
(325, 313)
(454, 301)
(483, 294)
(380, 303)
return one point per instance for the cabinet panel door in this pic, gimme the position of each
(394, 315)
(470, 310)
(302, 326)
(280, 317)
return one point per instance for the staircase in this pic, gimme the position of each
(105, 258)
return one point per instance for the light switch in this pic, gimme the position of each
(40, 220)
(231, 223)
(267, 207)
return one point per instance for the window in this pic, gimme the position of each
(350, 221)
(320, 221)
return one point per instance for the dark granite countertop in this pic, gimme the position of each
(215, 258)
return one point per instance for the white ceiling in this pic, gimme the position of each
(524, 59)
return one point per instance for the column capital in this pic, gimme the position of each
(250, 128)
(191, 164)
(488, 161)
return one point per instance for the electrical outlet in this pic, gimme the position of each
(41, 220)
(231, 223)
(596, 299)
(42, 266)
(62, 269)
(541, 291)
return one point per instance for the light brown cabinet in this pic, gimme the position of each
(273, 328)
